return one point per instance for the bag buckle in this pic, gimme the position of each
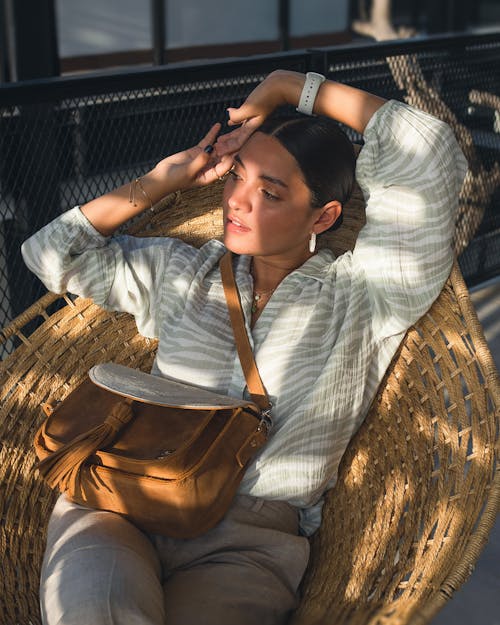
(266, 421)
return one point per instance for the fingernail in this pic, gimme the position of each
(209, 149)
(225, 118)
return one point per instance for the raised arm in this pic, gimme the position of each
(74, 252)
(410, 170)
(193, 167)
(348, 105)
(197, 166)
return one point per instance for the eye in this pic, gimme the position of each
(270, 196)
(232, 174)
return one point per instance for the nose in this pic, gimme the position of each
(239, 200)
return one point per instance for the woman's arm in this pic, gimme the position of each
(410, 170)
(348, 105)
(193, 167)
(73, 253)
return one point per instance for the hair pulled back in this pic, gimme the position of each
(323, 152)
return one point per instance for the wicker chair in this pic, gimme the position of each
(419, 486)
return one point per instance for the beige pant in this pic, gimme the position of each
(99, 569)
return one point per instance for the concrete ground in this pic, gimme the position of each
(478, 601)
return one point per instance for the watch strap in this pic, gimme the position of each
(309, 92)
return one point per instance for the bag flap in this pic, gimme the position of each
(159, 391)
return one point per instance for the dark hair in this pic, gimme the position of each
(323, 152)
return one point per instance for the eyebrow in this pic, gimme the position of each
(271, 179)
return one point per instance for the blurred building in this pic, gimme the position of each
(49, 37)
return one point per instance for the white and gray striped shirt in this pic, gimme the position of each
(329, 331)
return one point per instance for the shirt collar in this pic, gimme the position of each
(316, 267)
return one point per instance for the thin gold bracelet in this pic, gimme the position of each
(131, 198)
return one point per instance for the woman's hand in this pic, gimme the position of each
(196, 166)
(343, 103)
(193, 167)
(278, 88)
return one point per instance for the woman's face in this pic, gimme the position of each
(267, 210)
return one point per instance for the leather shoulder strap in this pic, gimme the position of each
(248, 364)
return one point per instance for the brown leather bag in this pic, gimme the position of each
(166, 455)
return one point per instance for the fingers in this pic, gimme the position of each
(211, 136)
(224, 165)
(232, 141)
(245, 114)
(215, 171)
(198, 163)
(240, 115)
(260, 103)
(206, 164)
(236, 115)
(229, 144)
(201, 160)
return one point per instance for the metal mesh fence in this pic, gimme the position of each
(63, 152)
(65, 141)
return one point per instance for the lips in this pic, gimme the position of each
(236, 225)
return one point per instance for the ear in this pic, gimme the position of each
(329, 213)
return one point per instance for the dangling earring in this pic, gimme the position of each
(312, 243)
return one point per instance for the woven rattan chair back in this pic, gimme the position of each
(417, 492)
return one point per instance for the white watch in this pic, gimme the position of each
(309, 92)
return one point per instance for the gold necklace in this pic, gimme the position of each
(258, 296)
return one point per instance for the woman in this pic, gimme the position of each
(323, 331)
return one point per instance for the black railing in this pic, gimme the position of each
(66, 140)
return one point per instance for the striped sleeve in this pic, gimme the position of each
(410, 170)
(121, 273)
(68, 254)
